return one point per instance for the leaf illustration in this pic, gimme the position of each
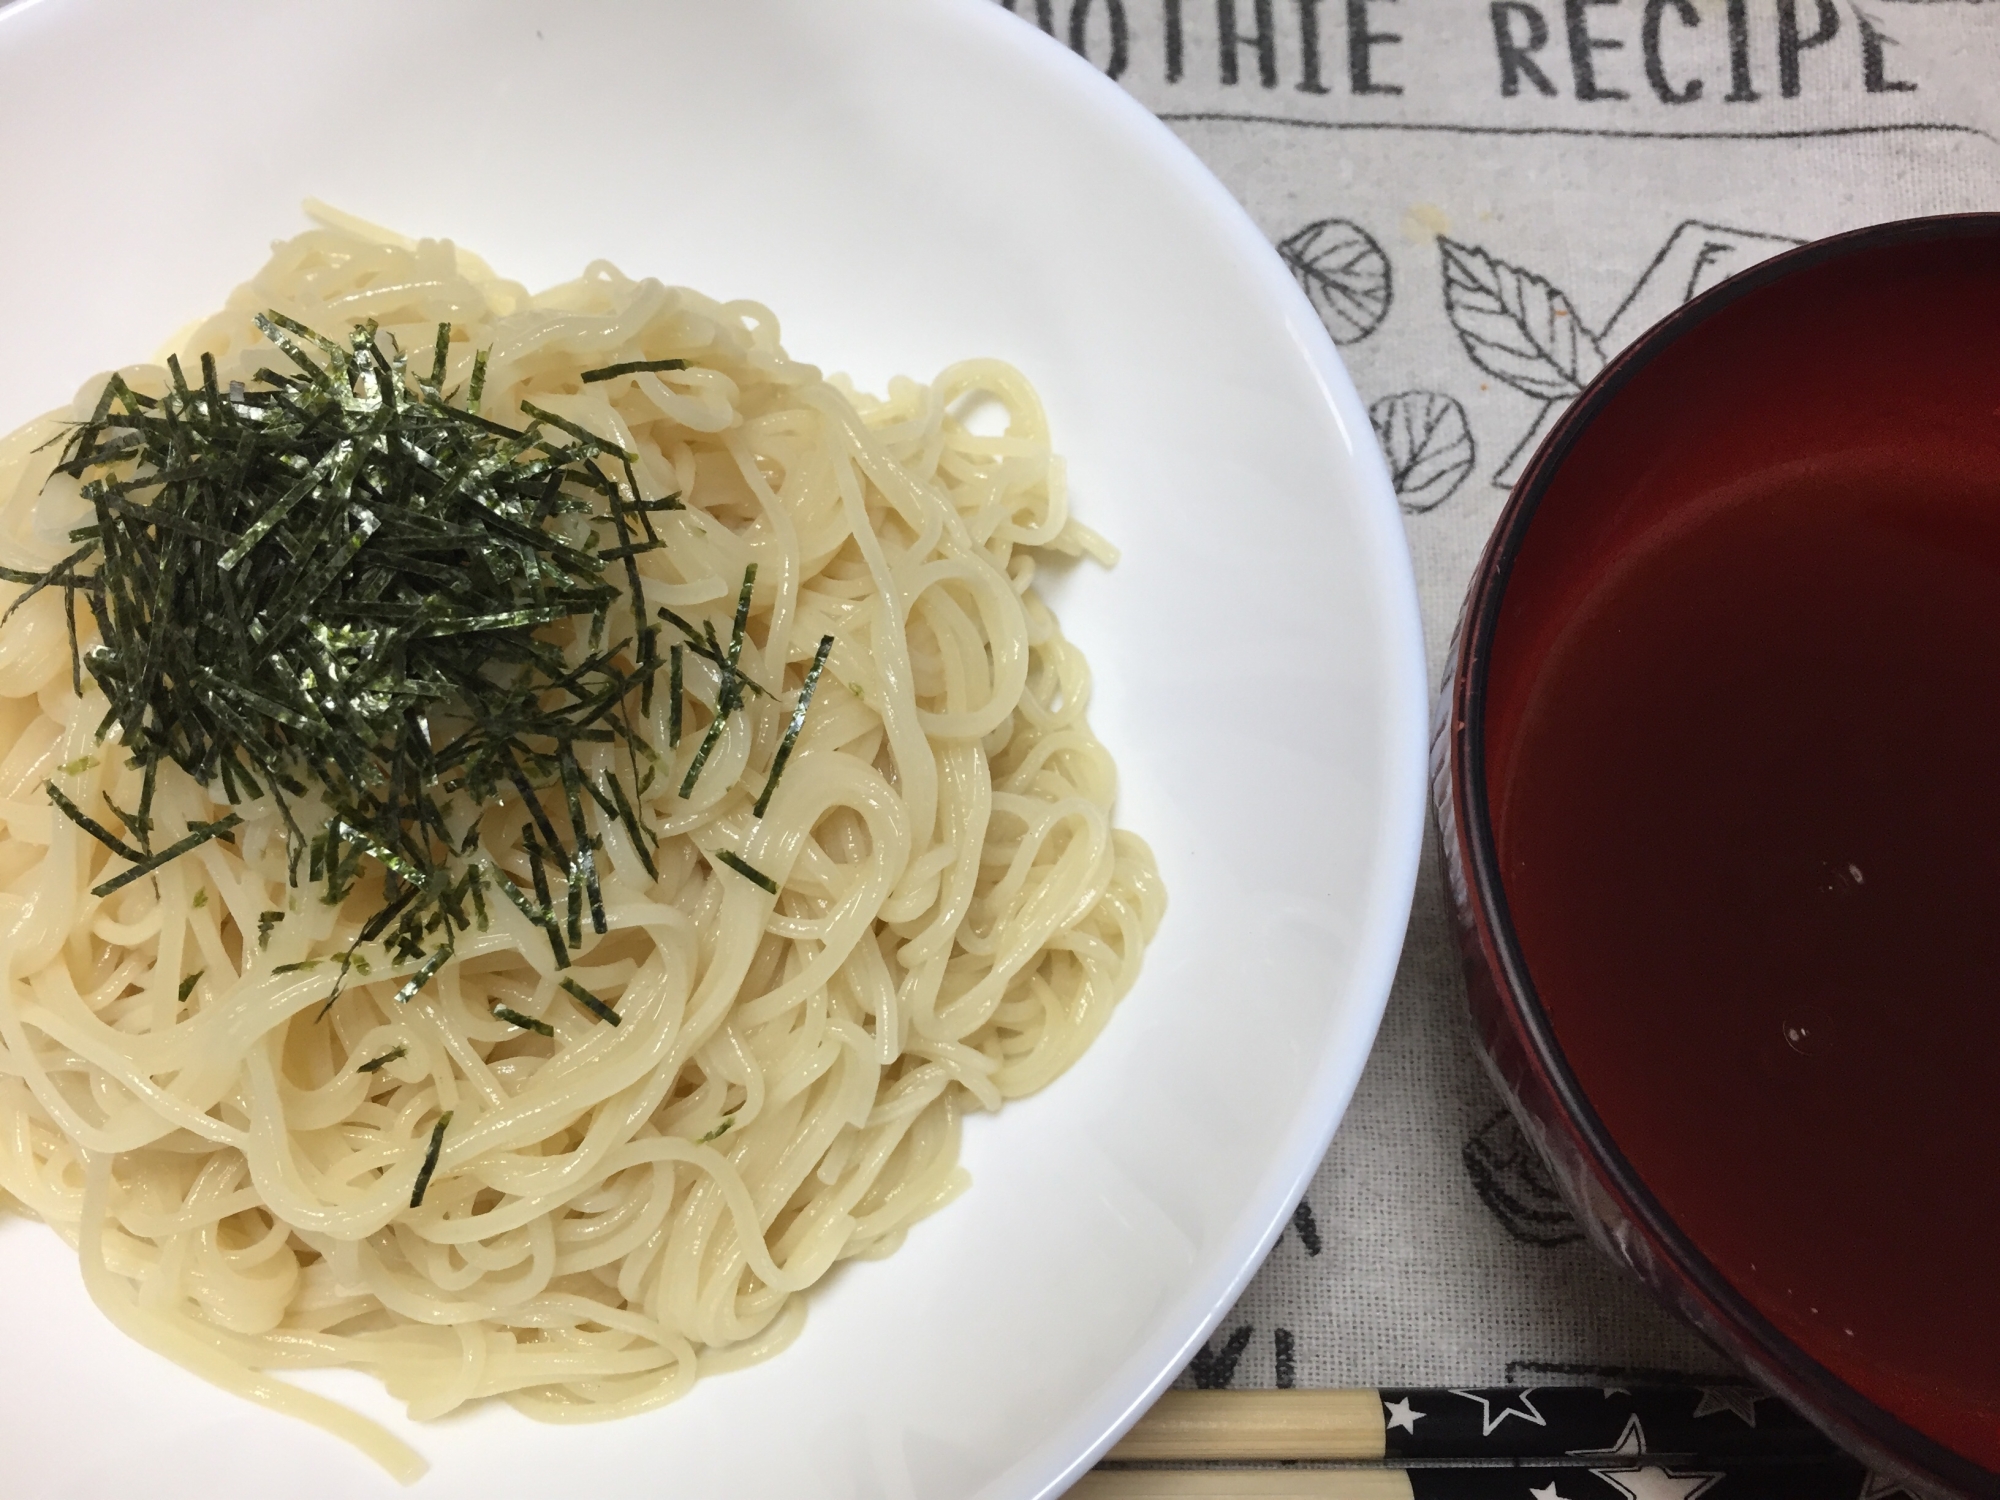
(1516, 326)
(1428, 443)
(1345, 274)
(1510, 1179)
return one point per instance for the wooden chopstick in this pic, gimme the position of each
(1257, 1427)
(1490, 1444)
(1243, 1484)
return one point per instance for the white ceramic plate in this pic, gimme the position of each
(907, 182)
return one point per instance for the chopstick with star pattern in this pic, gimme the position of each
(1545, 1443)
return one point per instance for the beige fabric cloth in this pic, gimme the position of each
(1486, 198)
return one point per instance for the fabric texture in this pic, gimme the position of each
(1485, 199)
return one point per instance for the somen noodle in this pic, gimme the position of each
(814, 960)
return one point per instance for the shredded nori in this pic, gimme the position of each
(730, 680)
(513, 1017)
(422, 977)
(336, 587)
(430, 1160)
(197, 835)
(797, 723)
(401, 1049)
(590, 1002)
(747, 870)
(631, 367)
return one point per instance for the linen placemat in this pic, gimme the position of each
(1485, 199)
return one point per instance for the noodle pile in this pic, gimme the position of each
(615, 1209)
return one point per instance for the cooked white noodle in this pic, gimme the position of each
(956, 918)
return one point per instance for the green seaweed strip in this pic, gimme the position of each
(285, 504)
(631, 550)
(200, 834)
(536, 869)
(702, 752)
(747, 870)
(57, 577)
(591, 1003)
(440, 354)
(295, 573)
(586, 853)
(581, 434)
(631, 367)
(540, 918)
(630, 819)
(675, 692)
(513, 1017)
(573, 904)
(729, 695)
(709, 651)
(798, 723)
(425, 973)
(91, 826)
(478, 386)
(430, 1161)
(142, 825)
(739, 628)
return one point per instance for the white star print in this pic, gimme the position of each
(1631, 1443)
(1657, 1484)
(1402, 1415)
(1645, 1481)
(1738, 1400)
(1512, 1404)
(1546, 1492)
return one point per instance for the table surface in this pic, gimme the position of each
(1573, 171)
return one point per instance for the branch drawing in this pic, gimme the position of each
(1518, 327)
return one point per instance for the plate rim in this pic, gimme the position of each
(1399, 741)
(1405, 798)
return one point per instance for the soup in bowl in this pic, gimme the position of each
(1719, 776)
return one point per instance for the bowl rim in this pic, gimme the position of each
(1748, 1334)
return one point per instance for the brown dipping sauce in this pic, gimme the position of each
(1743, 761)
(1756, 804)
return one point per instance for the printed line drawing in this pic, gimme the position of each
(1614, 1378)
(1427, 127)
(1284, 1359)
(1306, 1227)
(1345, 273)
(1512, 1182)
(1214, 1369)
(1525, 332)
(1516, 326)
(1428, 443)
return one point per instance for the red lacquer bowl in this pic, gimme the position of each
(1878, 351)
